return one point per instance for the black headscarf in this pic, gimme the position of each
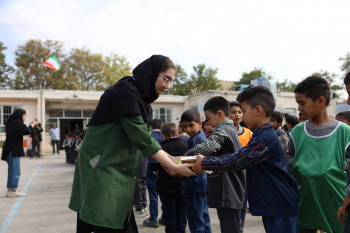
(130, 95)
(17, 115)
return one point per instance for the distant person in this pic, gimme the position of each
(301, 117)
(208, 129)
(291, 122)
(343, 117)
(36, 139)
(277, 119)
(55, 138)
(183, 136)
(13, 149)
(68, 129)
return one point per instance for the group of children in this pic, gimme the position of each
(295, 180)
(71, 145)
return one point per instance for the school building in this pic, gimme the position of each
(69, 109)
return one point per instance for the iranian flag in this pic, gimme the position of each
(52, 63)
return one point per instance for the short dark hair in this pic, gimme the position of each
(258, 95)
(181, 126)
(157, 123)
(169, 129)
(347, 78)
(293, 120)
(345, 115)
(314, 87)
(190, 115)
(277, 116)
(235, 104)
(217, 103)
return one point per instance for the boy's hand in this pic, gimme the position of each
(340, 215)
(197, 167)
(184, 170)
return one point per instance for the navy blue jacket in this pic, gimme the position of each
(272, 190)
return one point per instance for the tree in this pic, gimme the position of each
(30, 73)
(256, 73)
(86, 70)
(182, 83)
(5, 70)
(117, 67)
(285, 86)
(204, 78)
(345, 67)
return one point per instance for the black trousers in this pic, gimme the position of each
(230, 220)
(57, 142)
(129, 227)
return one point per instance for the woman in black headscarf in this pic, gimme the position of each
(109, 158)
(13, 149)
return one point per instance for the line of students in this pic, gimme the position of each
(305, 200)
(71, 145)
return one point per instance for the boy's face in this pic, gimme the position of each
(179, 130)
(307, 107)
(214, 119)
(208, 127)
(236, 114)
(275, 123)
(192, 127)
(249, 116)
(342, 119)
(347, 86)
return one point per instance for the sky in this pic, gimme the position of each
(287, 39)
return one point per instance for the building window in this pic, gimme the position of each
(49, 123)
(72, 112)
(88, 112)
(163, 113)
(5, 113)
(55, 112)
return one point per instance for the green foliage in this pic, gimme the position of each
(345, 67)
(254, 74)
(117, 67)
(30, 73)
(285, 86)
(85, 70)
(5, 70)
(204, 78)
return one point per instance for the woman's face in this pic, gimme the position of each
(24, 116)
(163, 83)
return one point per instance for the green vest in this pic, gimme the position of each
(106, 171)
(318, 168)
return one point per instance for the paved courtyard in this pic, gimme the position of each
(48, 183)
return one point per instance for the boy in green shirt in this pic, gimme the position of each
(316, 155)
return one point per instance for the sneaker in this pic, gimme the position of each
(140, 213)
(18, 193)
(8, 193)
(150, 223)
(161, 221)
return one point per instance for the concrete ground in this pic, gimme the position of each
(48, 183)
